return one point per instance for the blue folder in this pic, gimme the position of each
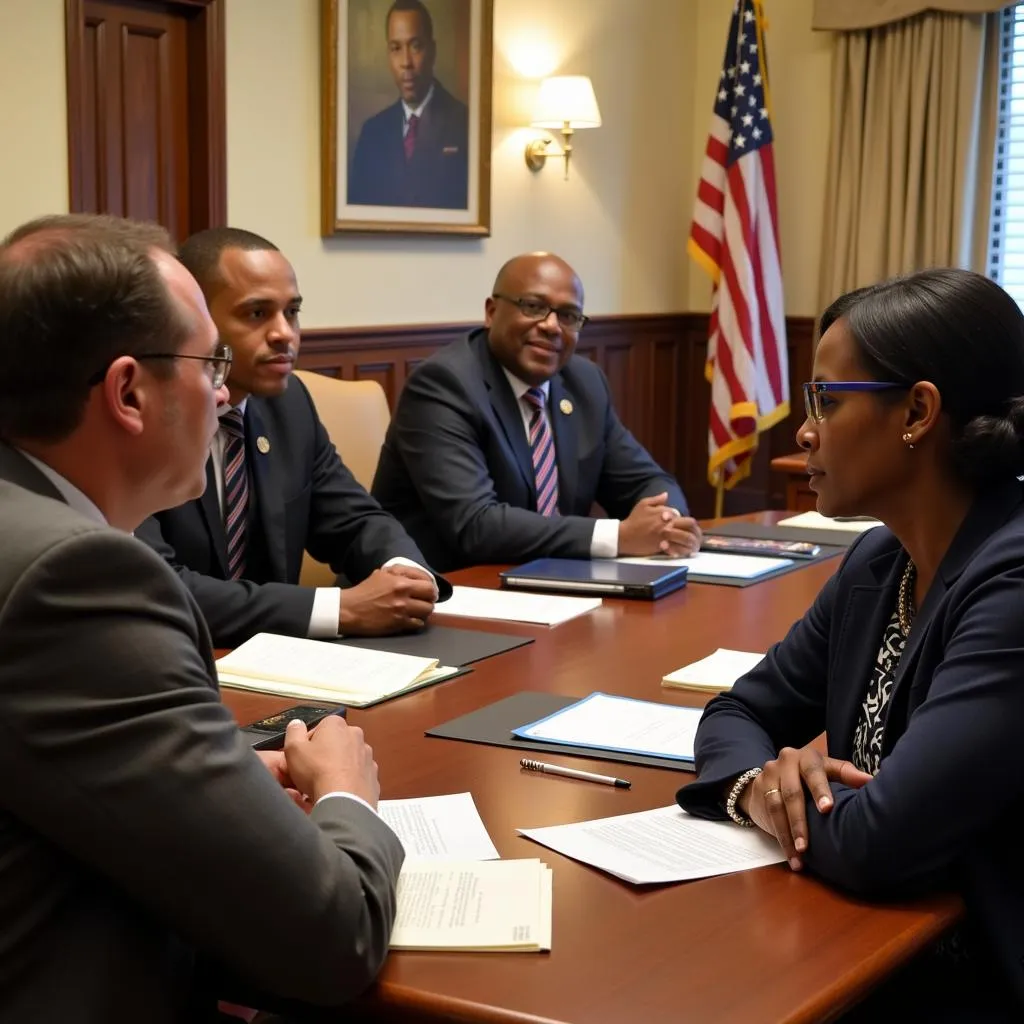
(600, 576)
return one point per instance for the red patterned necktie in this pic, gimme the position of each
(410, 135)
(542, 446)
(236, 491)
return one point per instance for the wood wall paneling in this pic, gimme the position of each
(655, 369)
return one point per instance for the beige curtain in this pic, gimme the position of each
(914, 109)
(849, 15)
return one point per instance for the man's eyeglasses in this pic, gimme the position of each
(816, 392)
(534, 309)
(217, 366)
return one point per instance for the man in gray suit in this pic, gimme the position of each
(146, 854)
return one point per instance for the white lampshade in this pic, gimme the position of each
(566, 98)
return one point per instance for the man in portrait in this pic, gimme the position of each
(414, 152)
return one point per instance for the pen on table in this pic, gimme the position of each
(573, 773)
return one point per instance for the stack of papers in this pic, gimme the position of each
(663, 845)
(713, 563)
(479, 603)
(604, 722)
(714, 673)
(481, 906)
(454, 893)
(316, 670)
(816, 521)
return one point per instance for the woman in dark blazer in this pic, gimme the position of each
(912, 657)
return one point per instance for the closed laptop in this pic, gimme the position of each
(600, 576)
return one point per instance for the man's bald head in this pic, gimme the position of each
(534, 316)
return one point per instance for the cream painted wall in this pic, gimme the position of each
(33, 115)
(619, 220)
(800, 63)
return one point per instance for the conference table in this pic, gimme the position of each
(766, 945)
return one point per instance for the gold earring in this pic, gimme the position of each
(907, 439)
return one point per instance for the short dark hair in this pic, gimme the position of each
(411, 5)
(201, 252)
(76, 292)
(965, 334)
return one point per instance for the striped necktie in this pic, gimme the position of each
(236, 491)
(542, 447)
(411, 131)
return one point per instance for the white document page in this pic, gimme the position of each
(717, 671)
(713, 563)
(439, 828)
(474, 905)
(510, 606)
(663, 845)
(620, 723)
(816, 521)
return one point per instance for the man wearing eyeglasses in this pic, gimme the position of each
(146, 854)
(275, 484)
(503, 442)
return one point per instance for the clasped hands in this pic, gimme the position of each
(655, 528)
(775, 800)
(395, 599)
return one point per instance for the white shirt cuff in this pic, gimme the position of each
(401, 560)
(348, 796)
(323, 622)
(605, 541)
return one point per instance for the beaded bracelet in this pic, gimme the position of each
(734, 794)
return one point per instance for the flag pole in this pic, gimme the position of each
(719, 494)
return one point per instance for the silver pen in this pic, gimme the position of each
(573, 773)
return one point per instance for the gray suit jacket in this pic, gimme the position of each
(141, 841)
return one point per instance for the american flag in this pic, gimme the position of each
(735, 238)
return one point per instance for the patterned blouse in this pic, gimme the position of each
(867, 737)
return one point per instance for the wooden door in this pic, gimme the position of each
(146, 110)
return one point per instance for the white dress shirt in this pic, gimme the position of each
(604, 542)
(323, 621)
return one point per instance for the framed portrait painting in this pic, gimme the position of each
(406, 109)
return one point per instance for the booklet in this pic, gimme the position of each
(714, 673)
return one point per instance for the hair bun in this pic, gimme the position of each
(991, 448)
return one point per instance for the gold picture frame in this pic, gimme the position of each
(383, 75)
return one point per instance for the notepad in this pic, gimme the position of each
(714, 673)
(816, 521)
(605, 722)
(291, 666)
(474, 906)
(505, 606)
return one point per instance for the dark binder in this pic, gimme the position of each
(600, 576)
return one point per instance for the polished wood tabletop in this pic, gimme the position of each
(758, 946)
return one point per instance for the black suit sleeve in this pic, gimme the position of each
(441, 452)
(348, 530)
(121, 755)
(236, 609)
(628, 472)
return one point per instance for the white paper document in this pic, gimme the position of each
(508, 606)
(484, 906)
(714, 673)
(439, 828)
(663, 845)
(620, 723)
(713, 563)
(816, 521)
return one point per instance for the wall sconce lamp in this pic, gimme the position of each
(565, 103)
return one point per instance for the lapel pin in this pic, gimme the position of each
(263, 444)
(566, 406)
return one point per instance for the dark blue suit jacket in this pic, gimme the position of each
(436, 176)
(304, 499)
(951, 788)
(456, 467)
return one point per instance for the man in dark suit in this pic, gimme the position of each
(415, 152)
(502, 442)
(275, 484)
(145, 850)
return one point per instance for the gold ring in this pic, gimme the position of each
(768, 792)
